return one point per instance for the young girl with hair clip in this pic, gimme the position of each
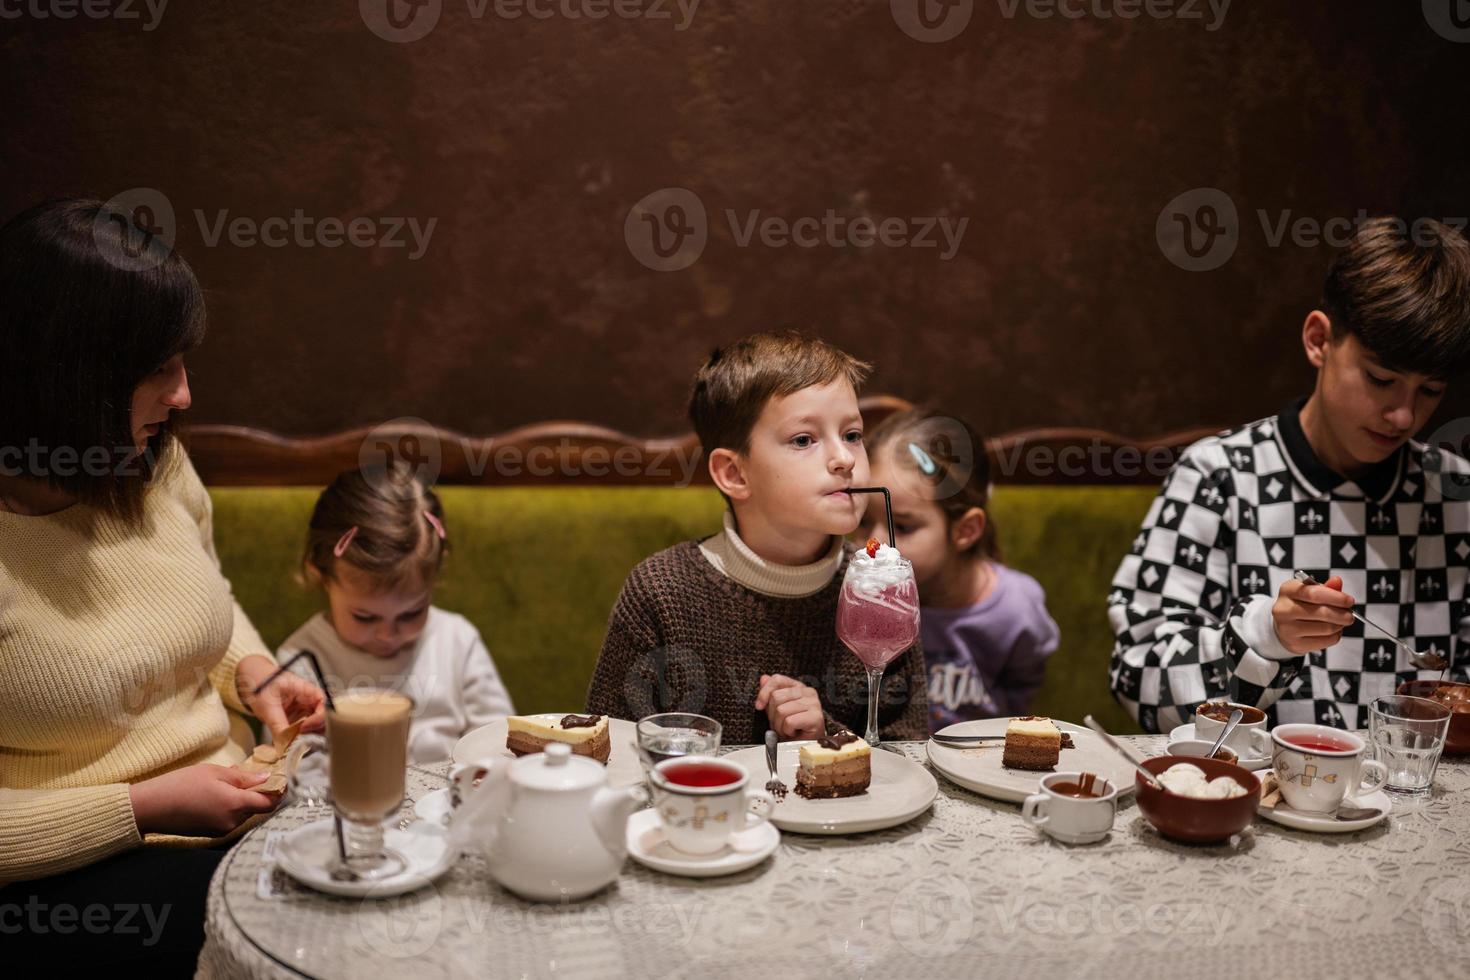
(375, 546)
(985, 629)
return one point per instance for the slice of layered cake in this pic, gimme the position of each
(586, 734)
(1032, 742)
(833, 766)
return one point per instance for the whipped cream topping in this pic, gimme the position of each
(884, 568)
(1187, 779)
(885, 555)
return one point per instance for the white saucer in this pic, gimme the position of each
(307, 854)
(433, 807)
(1321, 824)
(647, 846)
(1255, 764)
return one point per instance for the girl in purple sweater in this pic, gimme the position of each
(985, 629)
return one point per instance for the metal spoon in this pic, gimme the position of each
(1423, 661)
(1235, 717)
(1149, 777)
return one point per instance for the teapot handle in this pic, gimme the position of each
(473, 823)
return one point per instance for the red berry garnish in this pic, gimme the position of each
(873, 547)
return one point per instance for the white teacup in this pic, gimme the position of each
(1060, 810)
(1250, 740)
(703, 801)
(1317, 766)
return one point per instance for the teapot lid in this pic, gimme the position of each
(556, 768)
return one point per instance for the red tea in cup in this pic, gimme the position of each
(1318, 743)
(702, 775)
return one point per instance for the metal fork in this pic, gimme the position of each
(1423, 661)
(774, 786)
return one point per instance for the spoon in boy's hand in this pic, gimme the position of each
(1423, 661)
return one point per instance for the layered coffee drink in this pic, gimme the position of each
(367, 738)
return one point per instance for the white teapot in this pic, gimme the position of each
(548, 824)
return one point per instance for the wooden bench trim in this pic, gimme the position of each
(573, 453)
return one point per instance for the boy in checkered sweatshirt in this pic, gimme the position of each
(1205, 604)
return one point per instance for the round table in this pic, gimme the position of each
(964, 890)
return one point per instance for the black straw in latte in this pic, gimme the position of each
(316, 668)
(887, 507)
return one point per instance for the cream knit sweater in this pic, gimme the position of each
(118, 647)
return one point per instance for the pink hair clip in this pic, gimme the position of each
(436, 524)
(344, 541)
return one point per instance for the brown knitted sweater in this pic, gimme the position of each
(684, 637)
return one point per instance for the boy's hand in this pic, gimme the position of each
(794, 709)
(1311, 617)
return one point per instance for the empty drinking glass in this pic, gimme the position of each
(1407, 735)
(670, 735)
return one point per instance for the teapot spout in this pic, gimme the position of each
(610, 811)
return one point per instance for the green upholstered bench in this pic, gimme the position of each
(537, 570)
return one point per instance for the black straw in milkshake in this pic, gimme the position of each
(887, 507)
(316, 668)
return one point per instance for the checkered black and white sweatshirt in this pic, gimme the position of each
(1191, 603)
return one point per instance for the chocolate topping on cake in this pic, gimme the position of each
(836, 740)
(580, 721)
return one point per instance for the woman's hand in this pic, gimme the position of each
(793, 708)
(203, 800)
(288, 699)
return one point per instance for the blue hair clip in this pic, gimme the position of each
(924, 460)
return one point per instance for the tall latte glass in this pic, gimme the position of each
(367, 749)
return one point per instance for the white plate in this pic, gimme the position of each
(1320, 824)
(1256, 764)
(623, 767)
(433, 807)
(900, 790)
(307, 853)
(979, 768)
(647, 846)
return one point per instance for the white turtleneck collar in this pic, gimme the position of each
(733, 558)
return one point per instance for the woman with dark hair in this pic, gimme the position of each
(121, 647)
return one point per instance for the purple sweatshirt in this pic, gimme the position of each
(988, 660)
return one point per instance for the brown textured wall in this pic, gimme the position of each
(1060, 140)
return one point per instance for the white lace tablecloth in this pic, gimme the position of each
(963, 891)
